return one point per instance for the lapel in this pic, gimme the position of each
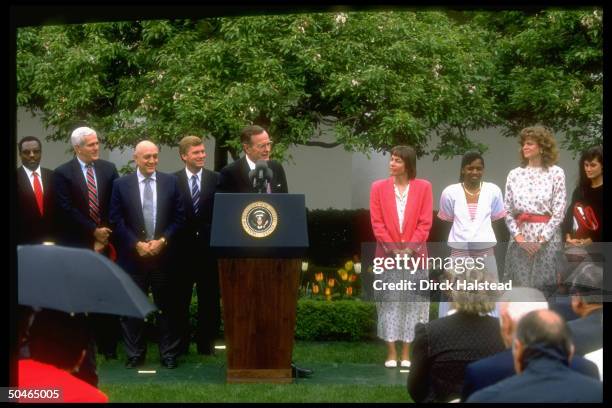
(77, 174)
(185, 186)
(24, 183)
(100, 184)
(244, 172)
(134, 196)
(389, 193)
(161, 201)
(411, 204)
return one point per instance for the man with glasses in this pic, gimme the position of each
(235, 179)
(257, 146)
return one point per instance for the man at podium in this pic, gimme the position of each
(257, 146)
(235, 178)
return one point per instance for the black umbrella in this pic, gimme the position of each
(76, 280)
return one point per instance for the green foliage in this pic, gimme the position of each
(379, 78)
(338, 320)
(549, 70)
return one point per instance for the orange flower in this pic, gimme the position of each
(315, 289)
(319, 276)
(344, 275)
(353, 278)
(331, 282)
(327, 291)
(349, 291)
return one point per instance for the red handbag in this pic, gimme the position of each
(586, 219)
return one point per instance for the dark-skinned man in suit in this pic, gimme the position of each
(34, 195)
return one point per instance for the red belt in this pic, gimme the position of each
(526, 217)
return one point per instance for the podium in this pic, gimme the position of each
(259, 240)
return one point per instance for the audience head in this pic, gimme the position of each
(57, 338)
(85, 143)
(545, 145)
(586, 288)
(30, 152)
(513, 305)
(403, 161)
(541, 332)
(471, 301)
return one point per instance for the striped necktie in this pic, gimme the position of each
(92, 192)
(147, 209)
(195, 194)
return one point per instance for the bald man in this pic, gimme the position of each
(542, 348)
(146, 213)
(512, 306)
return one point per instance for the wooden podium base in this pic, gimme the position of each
(259, 306)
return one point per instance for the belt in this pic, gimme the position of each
(535, 218)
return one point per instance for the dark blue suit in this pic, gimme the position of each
(493, 369)
(587, 332)
(127, 220)
(545, 379)
(75, 227)
(198, 264)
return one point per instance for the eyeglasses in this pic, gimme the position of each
(263, 145)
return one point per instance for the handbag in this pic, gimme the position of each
(585, 219)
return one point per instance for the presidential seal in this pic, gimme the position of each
(259, 219)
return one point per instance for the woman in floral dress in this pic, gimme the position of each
(535, 208)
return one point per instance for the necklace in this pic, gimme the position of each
(469, 192)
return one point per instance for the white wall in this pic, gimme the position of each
(328, 177)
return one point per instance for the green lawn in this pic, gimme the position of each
(344, 372)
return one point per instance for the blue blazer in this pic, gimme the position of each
(495, 368)
(587, 332)
(75, 227)
(543, 380)
(127, 220)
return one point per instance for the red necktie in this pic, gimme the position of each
(92, 192)
(38, 193)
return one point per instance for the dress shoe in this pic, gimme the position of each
(134, 362)
(169, 362)
(299, 372)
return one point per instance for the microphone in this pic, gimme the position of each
(260, 176)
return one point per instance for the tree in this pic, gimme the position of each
(381, 78)
(549, 70)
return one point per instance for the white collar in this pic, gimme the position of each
(141, 177)
(250, 162)
(190, 174)
(29, 172)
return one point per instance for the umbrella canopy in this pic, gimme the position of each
(76, 280)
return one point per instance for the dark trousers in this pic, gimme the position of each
(151, 274)
(107, 332)
(205, 276)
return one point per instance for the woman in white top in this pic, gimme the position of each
(472, 205)
(535, 207)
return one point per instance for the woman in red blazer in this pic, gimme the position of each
(401, 216)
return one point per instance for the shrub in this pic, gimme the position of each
(320, 320)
